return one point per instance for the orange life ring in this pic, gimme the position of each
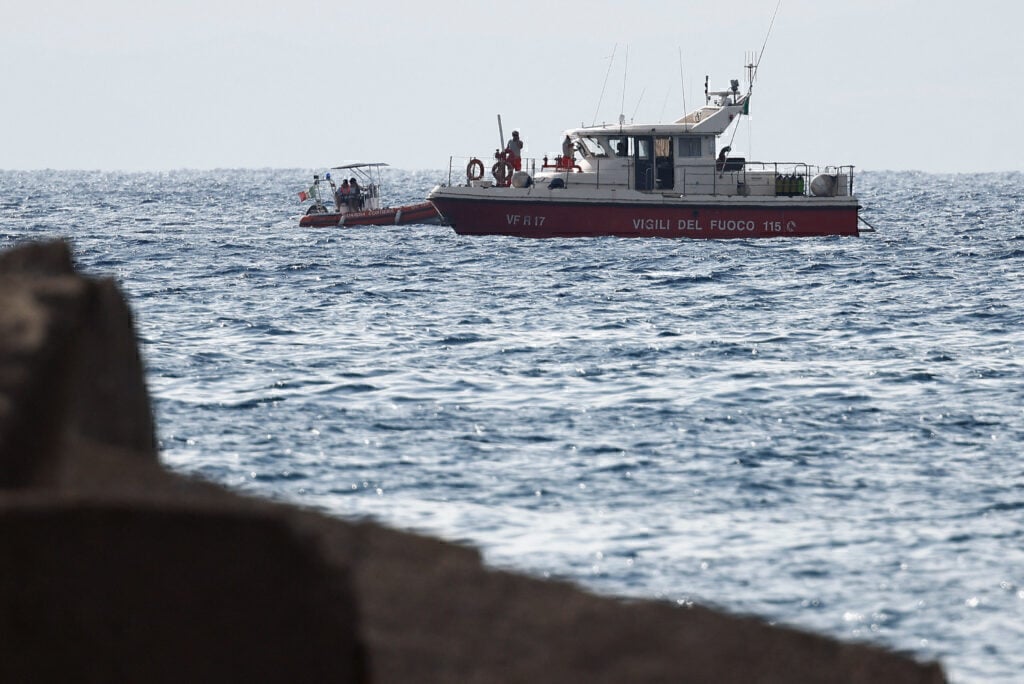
(474, 169)
(502, 171)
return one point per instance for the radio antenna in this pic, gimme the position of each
(641, 99)
(682, 86)
(625, 71)
(753, 67)
(611, 61)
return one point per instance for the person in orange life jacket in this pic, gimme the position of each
(341, 196)
(514, 150)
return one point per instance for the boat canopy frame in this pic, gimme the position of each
(370, 179)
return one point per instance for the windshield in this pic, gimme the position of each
(592, 148)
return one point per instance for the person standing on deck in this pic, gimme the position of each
(356, 198)
(341, 196)
(567, 153)
(514, 150)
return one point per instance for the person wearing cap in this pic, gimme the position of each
(514, 151)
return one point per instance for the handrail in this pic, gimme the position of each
(686, 173)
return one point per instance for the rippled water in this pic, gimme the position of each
(824, 432)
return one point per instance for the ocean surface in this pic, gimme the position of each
(823, 432)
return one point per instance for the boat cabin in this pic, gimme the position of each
(679, 157)
(654, 158)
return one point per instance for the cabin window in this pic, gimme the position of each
(689, 147)
(618, 146)
(643, 148)
(663, 147)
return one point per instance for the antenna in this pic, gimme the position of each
(752, 68)
(625, 70)
(682, 86)
(641, 99)
(606, 75)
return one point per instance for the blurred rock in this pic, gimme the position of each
(70, 371)
(113, 569)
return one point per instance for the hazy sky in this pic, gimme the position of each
(153, 85)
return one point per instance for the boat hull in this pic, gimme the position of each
(420, 213)
(471, 212)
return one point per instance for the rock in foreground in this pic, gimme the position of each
(114, 569)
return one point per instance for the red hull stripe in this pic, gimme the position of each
(424, 212)
(551, 219)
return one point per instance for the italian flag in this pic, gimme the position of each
(303, 195)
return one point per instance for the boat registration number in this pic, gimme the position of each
(524, 220)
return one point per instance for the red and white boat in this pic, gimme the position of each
(362, 207)
(654, 180)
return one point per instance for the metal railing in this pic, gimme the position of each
(795, 176)
(529, 164)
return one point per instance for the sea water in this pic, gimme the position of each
(823, 432)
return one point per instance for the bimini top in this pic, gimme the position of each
(360, 165)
